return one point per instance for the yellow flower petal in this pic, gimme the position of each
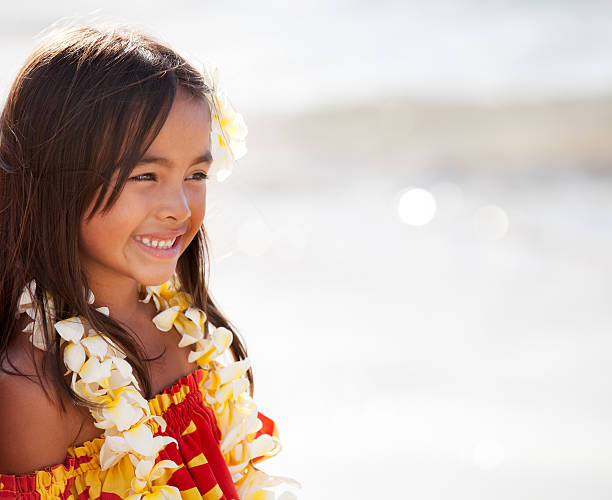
(158, 470)
(190, 331)
(139, 485)
(164, 492)
(181, 299)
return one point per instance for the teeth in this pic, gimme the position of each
(156, 243)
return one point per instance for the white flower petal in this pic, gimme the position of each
(140, 439)
(96, 346)
(261, 445)
(104, 310)
(38, 336)
(165, 319)
(113, 449)
(74, 356)
(70, 329)
(160, 442)
(93, 370)
(143, 469)
(121, 413)
(123, 366)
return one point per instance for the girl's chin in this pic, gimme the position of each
(155, 278)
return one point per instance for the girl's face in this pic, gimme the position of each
(160, 208)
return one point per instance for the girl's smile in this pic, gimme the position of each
(164, 246)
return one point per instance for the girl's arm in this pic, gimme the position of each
(34, 433)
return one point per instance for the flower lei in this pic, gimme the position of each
(101, 375)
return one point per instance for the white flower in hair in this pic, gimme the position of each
(228, 130)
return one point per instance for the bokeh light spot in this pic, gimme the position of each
(490, 222)
(416, 207)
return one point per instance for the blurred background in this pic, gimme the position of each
(416, 248)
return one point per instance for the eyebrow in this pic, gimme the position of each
(205, 158)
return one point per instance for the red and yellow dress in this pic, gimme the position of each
(202, 473)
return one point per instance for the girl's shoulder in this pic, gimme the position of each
(35, 432)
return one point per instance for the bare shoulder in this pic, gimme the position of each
(34, 431)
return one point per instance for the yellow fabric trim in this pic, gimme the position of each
(197, 460)
(160, 403)
(191, 494)
(213, 494)
(189, 429)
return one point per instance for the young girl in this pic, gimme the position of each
(120, 377)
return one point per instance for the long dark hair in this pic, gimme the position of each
(87, 103)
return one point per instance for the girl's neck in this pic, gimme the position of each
(121, 297)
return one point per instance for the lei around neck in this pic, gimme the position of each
(100, 374)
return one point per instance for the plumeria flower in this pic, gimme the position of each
(122, 408)
(245, 422)
(149, 480)
(166, 295)
(227, 381)
(251, 486)
(208, 349)
(189, 324)
(228, 129)
(137, 440)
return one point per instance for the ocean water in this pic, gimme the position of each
(465, 358)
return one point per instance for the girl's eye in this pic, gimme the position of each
(199, 176)
(143, 177)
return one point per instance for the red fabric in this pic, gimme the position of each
(205, 439)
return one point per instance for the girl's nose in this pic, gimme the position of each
(174, 205)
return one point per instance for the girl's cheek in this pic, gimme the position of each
(197, 205)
